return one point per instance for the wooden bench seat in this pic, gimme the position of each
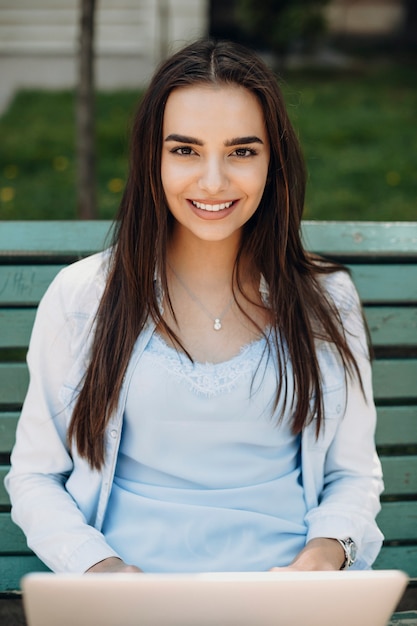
(383, 261)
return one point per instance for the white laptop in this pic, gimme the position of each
(225, 599)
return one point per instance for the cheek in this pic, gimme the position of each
(174, 178)
(255, 182)
(166, 177)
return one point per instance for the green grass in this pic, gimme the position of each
(357, 129)
(359, 137)
(37, 154)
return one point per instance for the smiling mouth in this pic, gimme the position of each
(213, 208)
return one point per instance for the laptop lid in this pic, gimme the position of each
(216, 599)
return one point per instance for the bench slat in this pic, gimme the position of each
(400, 476)
(24, 285)
(328, 237)
(12, 568)
(394, 379)
(398, 557)
(389, 326)
(14, 379)
(4, 496)
(385, 284)
(43, 239)
(397, 520)
(8, 423)
(16, 327)
(12, 539)
(361, 238)
(396, 425)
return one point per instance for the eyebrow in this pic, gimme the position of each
(236, 141)
(184, 139)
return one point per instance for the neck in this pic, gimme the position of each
(208, 263)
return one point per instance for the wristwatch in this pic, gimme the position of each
(349, 546)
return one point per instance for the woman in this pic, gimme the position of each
(200, 395)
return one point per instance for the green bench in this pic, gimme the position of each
(383, 260)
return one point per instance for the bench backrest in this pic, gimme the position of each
(383, 260)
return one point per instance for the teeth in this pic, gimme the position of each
(212, 207)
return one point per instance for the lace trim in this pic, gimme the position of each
(207, 379)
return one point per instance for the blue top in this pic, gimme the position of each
(207, 478)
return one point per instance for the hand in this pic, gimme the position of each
(113, 565)
(320, 554)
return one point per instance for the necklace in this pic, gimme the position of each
(217, 321)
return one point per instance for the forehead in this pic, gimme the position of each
(206, 107)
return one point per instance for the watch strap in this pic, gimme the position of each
(349, 548)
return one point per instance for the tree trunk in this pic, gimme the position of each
(410, 25)
(85, 133)
(163, 34)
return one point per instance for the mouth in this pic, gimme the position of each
(213, 208)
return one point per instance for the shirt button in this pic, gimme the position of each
(338, 408)
(113, 433)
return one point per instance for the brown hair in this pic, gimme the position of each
(271, 238)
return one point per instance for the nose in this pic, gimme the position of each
(213, 178)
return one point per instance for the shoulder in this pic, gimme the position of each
(89, 270)
(339, 287)
(79, 286)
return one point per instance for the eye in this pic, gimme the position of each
(244, 152)
(182, 151)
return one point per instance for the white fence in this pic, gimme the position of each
(39, 38)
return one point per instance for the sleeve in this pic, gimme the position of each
(56, 527)
(352, 477)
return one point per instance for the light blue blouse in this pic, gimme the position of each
(207, 479)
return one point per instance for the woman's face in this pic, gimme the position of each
(215, 158)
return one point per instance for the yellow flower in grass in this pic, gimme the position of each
(115, 185)
(393, 178)
(7, 194)
(60, 163)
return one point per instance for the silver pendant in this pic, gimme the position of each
(217, 324)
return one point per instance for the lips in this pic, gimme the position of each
(213, 208)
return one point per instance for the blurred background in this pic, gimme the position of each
(72, 72)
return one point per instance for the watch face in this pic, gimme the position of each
(350, 549)
(353, 551)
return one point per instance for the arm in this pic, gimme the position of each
(342, 469)
(58, 529)
(352, 476)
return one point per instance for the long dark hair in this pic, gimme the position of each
(299, 309)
